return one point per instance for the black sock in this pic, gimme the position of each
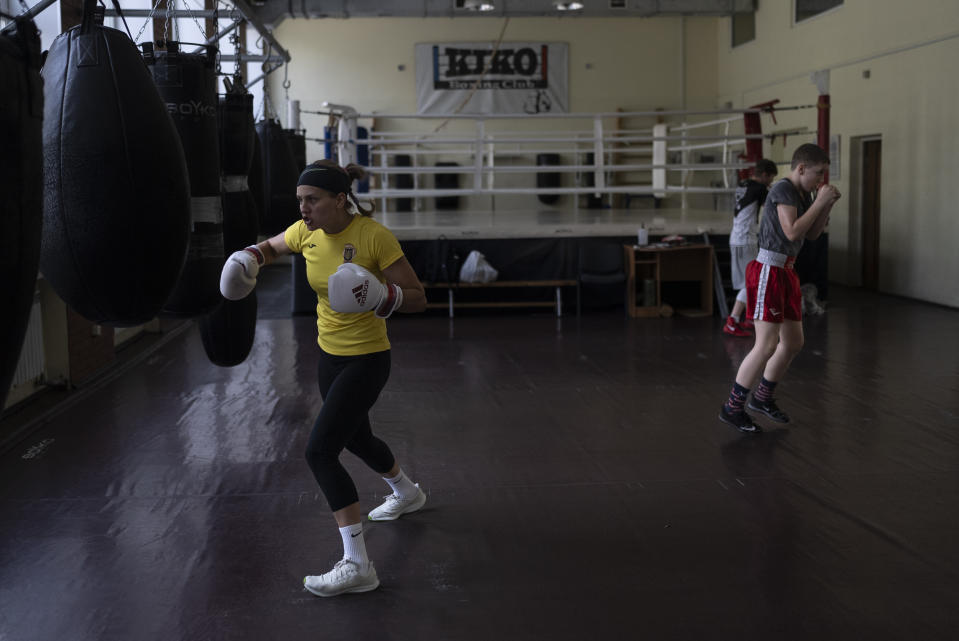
(737, 399)
(764, 393)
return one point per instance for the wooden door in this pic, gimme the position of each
(871, 176)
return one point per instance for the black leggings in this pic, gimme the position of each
(349, 386)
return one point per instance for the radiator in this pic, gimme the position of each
(31, 365)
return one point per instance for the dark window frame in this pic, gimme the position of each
(809, 16)
(732, 30)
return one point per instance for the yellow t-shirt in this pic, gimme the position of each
(364, 242)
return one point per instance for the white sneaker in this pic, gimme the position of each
(345, 576)
(394, 506)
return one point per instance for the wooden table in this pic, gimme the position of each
(693, 262)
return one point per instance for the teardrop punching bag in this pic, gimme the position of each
(280, 174)
(21, 188)
(116, 205)
(187, 84)
(228, 332)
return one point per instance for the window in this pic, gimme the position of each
(744, 27)
(809, 8)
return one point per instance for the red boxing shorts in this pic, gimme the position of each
(772, 293)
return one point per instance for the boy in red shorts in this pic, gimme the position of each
(774, 301)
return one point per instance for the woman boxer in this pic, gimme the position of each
(348, 255)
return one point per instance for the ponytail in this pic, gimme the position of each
(356, 172)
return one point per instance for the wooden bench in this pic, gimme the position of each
(452, 287)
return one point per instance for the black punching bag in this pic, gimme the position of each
(255, 181)
(21, 188)
(187, 84)
(237, 151)
(403, 181)
(447, 181)
(116, 205)
(589, 180)
(228, 332)
(297, 143)
(547, 179)
(280, 174)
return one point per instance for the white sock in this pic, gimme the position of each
(354, 547)
(402, 486)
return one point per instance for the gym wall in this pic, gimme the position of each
(634, 64)
(908, 99)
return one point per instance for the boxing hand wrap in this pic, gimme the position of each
(238, 277)
(394, 298)
(253, 249)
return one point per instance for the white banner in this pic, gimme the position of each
(523, 77)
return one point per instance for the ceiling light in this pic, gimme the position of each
(478, 5)
(568, 6)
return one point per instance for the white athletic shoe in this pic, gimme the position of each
(345, 576)
(394, 506)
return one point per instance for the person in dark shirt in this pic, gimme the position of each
(774, 300)
(750, 196)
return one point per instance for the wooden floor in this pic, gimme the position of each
(580, 487)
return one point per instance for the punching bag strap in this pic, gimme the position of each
(116, 5)
(89, 21)
(87, 42)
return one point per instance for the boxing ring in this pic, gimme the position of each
(533, 192)
(602, 174)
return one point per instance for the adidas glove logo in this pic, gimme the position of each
(360, 292)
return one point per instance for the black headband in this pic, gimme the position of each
(331, 179)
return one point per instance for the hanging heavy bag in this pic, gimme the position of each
(589, 180)
(255, 182)
(403, 181)
(363, 159)
(303, 300)
(447, 181)
(237, 135)
(116, 207)
(187, 84)
(237, 149)
(21, 188)
(297, 142)
(228, 332)
(547, 179)
(280, 174)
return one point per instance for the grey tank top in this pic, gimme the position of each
(771, 234)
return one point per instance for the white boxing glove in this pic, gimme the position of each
(353, 289)
(238, 277)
